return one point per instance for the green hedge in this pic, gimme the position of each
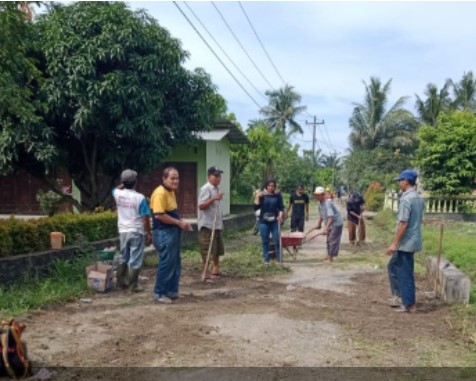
(19, 237)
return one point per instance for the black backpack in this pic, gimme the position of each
(14, 361)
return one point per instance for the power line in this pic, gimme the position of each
(224, 52)
(328, 138)
(259, 40)
(218, 58)
(241, 45)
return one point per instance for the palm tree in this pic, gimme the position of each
(374, 126)
(436, 102)
(282, 110)
(334, 162)
(465, 93)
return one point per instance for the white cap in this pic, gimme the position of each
(319, 190)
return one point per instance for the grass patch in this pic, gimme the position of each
(66, 282)
(245, 262)
(459, 247)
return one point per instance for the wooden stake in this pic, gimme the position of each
(438, 260)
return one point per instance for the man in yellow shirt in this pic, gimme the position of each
(167, 228)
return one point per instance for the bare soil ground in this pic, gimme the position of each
(318, 315)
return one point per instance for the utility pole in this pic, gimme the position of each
(314, 124)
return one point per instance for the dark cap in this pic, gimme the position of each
(128, 176)
(407, 174)
(214, 170)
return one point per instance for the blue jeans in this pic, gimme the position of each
(167, 244)
(400, 273)
(132, 249)
(265, 228)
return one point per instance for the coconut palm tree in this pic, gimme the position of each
(373, 125)
(436, 102)
(465, 93)
(282, 110)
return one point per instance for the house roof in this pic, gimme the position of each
(224, 128)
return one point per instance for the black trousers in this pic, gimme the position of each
(297, 223)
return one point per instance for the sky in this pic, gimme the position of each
(325, 50)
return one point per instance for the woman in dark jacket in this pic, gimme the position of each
(271, 206)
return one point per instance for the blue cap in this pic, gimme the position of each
(407, 174)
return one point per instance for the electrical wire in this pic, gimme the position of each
(259, 40)
(224, 52)
(242, 47)
(216, 55)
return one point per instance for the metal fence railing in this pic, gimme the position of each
(437, 204)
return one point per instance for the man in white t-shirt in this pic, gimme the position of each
(210, 217)
(133, 221)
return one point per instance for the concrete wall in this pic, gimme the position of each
(13, 269)
(453, 286)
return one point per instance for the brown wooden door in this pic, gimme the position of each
(187, 192)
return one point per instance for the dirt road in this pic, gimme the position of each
(319, 315)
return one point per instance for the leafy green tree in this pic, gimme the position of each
(374, 125)
(283, 109)
(362, 167)
(435, 103)
(324, 177)
(465, 93)
(293, 169)
(446, 156)
(24, 137)
(117, 93)
(239, 159)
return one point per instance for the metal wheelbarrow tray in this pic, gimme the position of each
(293, 240)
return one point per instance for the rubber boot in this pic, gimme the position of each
(134, 281)
(121, 276)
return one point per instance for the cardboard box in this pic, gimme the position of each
(100, 276)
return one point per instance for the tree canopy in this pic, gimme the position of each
(116, 94)
(446, 156)
(282, 110)
(436, 101)
(24, 138)
(374, 124)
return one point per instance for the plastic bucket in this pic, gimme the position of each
(57, 240)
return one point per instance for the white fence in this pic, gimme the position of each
(437, 204)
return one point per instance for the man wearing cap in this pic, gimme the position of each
(407, 241)
(210, 218)
(332, 220)
(133, 220)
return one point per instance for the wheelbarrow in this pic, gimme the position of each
(295, 240)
